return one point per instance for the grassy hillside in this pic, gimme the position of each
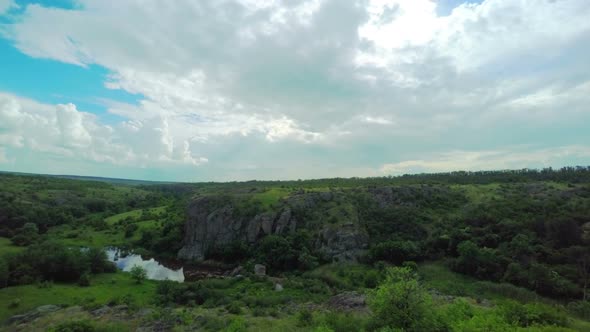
(486, 251)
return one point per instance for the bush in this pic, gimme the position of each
(304, 317)
(84, 280)
(400, 302)
(530, 314)
(276, 252)
(130, 229)
(138, 274)
(49, 261)
(168, 292)
(14, 303)
(74, 326)
(236, 325)
(580, 309)
(395, 251)
(344, 322)
(371, 279)
(234, 308)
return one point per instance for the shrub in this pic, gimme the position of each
(526, 315)
(580, 309)
(168, 292)
(234, 308)
(259, 312)
(130, 229)
(84, 280)
(401, 302)
(74, 326)
(395, 251)
(344, 322)
(138, 274)
(14, 303)
(304, 317)
(411, 265)
(236, 325)
(371, 279)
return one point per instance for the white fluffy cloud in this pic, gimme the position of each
(65, 131)
(489, 160)
(309, 75)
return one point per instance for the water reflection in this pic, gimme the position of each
(155, 270)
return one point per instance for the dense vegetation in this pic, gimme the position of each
(462, 251)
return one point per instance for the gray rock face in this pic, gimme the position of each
(259, 270)
(101, 311)
(211, 226)
(33, 314)
(214, 223)
(343, 243)
(348, 301)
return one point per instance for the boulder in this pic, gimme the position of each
(278, 287)
(33, 314)
(44, 309)
(259, 270)
(348, 301)
(282, 222)
(236, 271)
(101, 311)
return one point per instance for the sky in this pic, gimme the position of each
(224, 90)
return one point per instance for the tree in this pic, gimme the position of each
(26, 235)
(138, 273)
(97, 259)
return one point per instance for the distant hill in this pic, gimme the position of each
(93, 178)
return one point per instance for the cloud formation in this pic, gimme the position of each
(489, 160)
(386, 81)
(65, 131)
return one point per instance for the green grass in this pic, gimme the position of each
(271, 197)
(133, 214)
(343, 275)
(478, 193)
(103, 288)
(435, 275)
(6, 247)
(114, 235)
(86, 236)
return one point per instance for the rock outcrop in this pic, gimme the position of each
(210, 226)
(343, 243)
(214, 223)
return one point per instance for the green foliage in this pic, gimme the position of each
(343, 321)
(304, 317)
(237, 325)
(277, 253)
(138, 273)
(531, 314)
(580, 309)
(28, 234)
(235, 308)
(4, 273)
(395, 251)
(400, 302)
(74, 326)
(84, 280)
(14, 303)
(169, 292)
(130, 229)
(56, 262)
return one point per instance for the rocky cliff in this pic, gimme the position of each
(214, 223)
